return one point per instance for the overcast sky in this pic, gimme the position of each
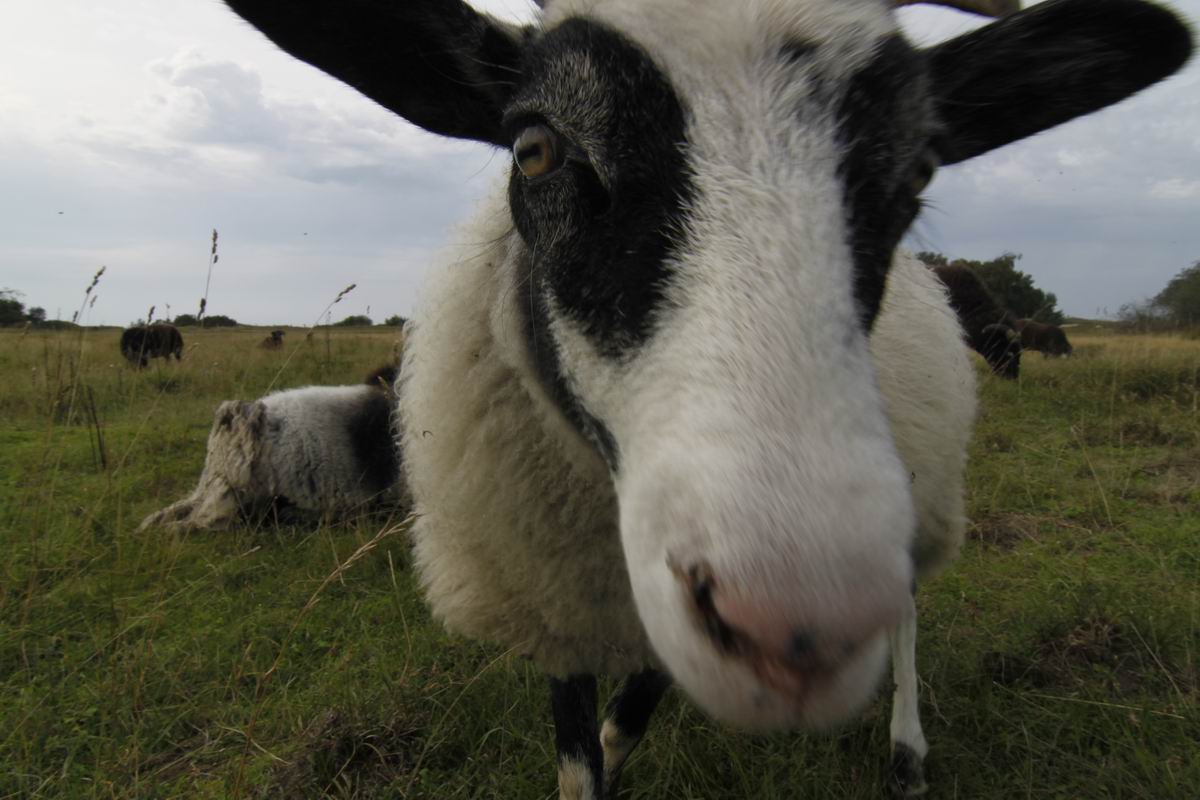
(131, 128)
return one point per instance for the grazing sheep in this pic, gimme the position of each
(274, 341)
(989, 327)
(1047, 339)
(684, 407)
(140, 343)
(321, 449)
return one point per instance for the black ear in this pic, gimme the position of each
(1046, 65)
(437, 63)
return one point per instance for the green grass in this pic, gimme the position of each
(1058, 656)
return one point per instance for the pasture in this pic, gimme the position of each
(1059, 656)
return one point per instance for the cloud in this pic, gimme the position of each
(1175, 189)
(217, 102)
(113, 115)
(212, 119)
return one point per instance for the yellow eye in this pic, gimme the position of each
(536, 151)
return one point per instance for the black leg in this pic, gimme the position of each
(625, 720)
(576, 738)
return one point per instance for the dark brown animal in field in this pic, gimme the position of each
(989, 328)
(382, 377)
(141, 343)
(1049, 340)
(273, 342)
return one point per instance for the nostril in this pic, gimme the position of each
(807, 651)
(802, 646)
(700, 583)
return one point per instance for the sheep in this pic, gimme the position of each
(274, 341)
(326, 450)
(683, 409)
(1047, 339)
(989, 327)
(140, 343)
(384, 378)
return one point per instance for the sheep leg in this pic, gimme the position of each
(576, 738)
(625, 720)
(907, 774)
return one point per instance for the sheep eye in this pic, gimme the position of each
(536, 151)
(923, 172)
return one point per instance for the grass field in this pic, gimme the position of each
(1059, 657)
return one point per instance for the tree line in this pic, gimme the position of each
(1176, 306)
(13, 311)
(1009, 286)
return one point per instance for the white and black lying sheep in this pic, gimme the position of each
(683, 409)
(321, 449)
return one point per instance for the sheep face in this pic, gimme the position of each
(706, 197)
(680, 212)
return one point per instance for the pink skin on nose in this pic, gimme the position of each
(788, 652)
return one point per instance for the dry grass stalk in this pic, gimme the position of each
(213, 258)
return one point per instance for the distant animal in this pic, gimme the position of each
(140, 343)
(382, 377)
(1049, 340)
(989, 327)
(326, 450)
(680, 406)
(274, 341)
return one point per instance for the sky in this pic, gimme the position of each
(132, 128)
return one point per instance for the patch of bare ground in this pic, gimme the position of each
(335, 752)
(1004, 531)
(1096, 648)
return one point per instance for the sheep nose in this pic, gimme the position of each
(772, 638)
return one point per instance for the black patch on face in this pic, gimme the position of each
(370, 431)
(600, 230)
(549, 369)
(883, 119)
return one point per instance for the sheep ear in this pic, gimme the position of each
(1046, 65)
(437, 63)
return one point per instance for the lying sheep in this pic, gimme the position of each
(320, 449)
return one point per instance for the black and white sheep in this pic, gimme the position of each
(686, 409)
(327, 450)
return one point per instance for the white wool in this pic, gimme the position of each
(517, 539)
(924, 370)
(292, 444)
(309, 456)
(515, 536)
